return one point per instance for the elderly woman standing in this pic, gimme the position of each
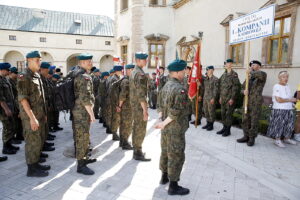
(282, 117)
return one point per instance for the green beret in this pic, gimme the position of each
(229, 61)
(33, 54)
(45, 65)
(141, 55)
(177, 65)
(96, 70)
(129, 66)
(56, 76)
(51, 72)
(111, 71)
(104, 74)
(210, 67)
(255, 62)
(4, 66)
(13, 70)
(118, 68)
(85, 56)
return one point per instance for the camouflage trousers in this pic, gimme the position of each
(33, 141)
(227, 113)
(251, 119)
(126, 124)
(81, 134)
(108, 115)
(153, 98)
(97, 106)
(209, 110)
(115, 120)
(172, 154)
(18, 128)
(193, 108)
(138, 129)
(8, 130)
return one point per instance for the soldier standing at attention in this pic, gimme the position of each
(138, 100)
(108, 113)
(174, 113)
(211, 88)
(33, 113)
(102, 94)
(96, 82)
(229, 88)
(257, 81)
(7, 110)
(125, 108)
(113, 93)
(162, 80)
(153, 91)
(83, 114)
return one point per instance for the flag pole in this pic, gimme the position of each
(197, 94)
(246, 98)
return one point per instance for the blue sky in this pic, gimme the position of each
(98, 7)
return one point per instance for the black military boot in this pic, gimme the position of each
(90, 160)
(3, 158)
(115, 137)
(51, 130)
(16, 141)
(206, 126)
(175, 189)
(49, 144)
(251, 141)
(104, 124)
(244, 139)
(44, 155)
(34, 171)
(164, 178)
(57, 128)
(198, 122)
(54, 136)
(97, 116)
(126, 145)
(227, 131)
(42, 160)
(108, 131)
(83, 169)
(100, 120)
(220, 132)
(48, 148)
(43, 167)
(7, 150)
(210, 127)
(9, 143)
(50, 138)
(139, 155)
(121, 141)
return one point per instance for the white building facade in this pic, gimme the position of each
(164, 28)
(59, 36)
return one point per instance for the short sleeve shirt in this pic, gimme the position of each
(284, 92)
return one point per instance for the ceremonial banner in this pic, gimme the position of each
(196, 74)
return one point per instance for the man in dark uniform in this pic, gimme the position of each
(174, 115)
(257, 81)
(33, 113)
(153, 91)
(96, 82)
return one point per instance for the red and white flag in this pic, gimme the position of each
(196, 74)
(116, 59)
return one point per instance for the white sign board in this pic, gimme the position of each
(252, 26)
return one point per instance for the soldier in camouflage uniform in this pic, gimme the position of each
(186, 85)
(96, 82)
(125, 108)
(33, 113)
(229, 88)
(7, 110)
(138, 100)
(174, 115)
(153, 91)
(83, 114)
(107, 109)
(257, 81)
(162, 79)
(211, 89)
(17, 120)
(113, 101)
(102, 94)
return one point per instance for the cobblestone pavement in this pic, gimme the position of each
(215, 168)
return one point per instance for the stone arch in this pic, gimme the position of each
(106, 62)
(72, 61)
(15, 58)
(47, 57)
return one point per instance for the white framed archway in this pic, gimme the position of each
(106, 62)
(47, 57)
(15, 58)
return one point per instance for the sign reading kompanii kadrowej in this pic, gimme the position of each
(252, 26)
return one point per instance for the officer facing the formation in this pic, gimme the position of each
(96, 82)
(83, 114)
(211, 88)
(229, 88)
(174, 113)
(102, 94)
(138, 100)
(113, 101)
(33, 113)
(257, 81)
(7, 110)
(125, 109)
(153, 91)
